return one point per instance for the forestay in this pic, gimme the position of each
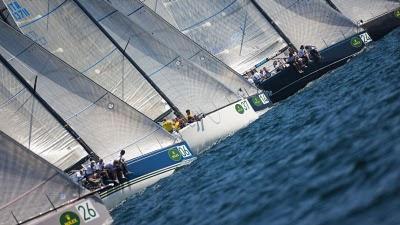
(30, 185)
(162, 31)
(106, 123)
(27, 121)
(365, 10)
(63, 29)
(233, 30)
(185, 84)
(309, 22)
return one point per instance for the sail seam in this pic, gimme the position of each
(134, 11)
(99, 61)
(44, 16)
(164, 66)
(87, 107)
(202, 21)
(109, 14)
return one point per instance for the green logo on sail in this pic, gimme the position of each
(174, 154)
(69, 218)
(397, 13)
(356, 42)
(239, 108)
(257, 101)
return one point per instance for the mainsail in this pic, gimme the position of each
(64, 30)
(30, 186)
(365, 10)
(187, 85)
(309, 22)
(165, 33)
(106, 123)
(235, 31)
(27, 121)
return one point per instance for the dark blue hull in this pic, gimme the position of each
(153, 164)
(383, 25)
(289, 81)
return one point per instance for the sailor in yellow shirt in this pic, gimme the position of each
(168, 125)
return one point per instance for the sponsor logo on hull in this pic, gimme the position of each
(69, 218)
(397, 14)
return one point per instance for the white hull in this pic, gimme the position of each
(116, 198)
(218, 125)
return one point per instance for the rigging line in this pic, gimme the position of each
(130, 59)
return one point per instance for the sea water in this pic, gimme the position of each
(328, 155)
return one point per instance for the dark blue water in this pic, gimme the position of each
(328, 155)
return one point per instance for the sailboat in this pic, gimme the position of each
(101, 123)
(289, 23)
(377, 17)
(160, 30)
(180, 83)
(36, 192)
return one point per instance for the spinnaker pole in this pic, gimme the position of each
(273, 24)
(127, 56)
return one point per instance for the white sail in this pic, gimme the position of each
(63, 29)
(30, 186)
(165, 33)
(234, 31)
(365, 10)
(309, 22)
(188, 86)
(102, 120)
(27, 121)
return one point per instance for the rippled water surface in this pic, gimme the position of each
(328, 155)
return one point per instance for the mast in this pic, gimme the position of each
(127, 56)
(48, 107)
(274, 25)
(331, 4)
